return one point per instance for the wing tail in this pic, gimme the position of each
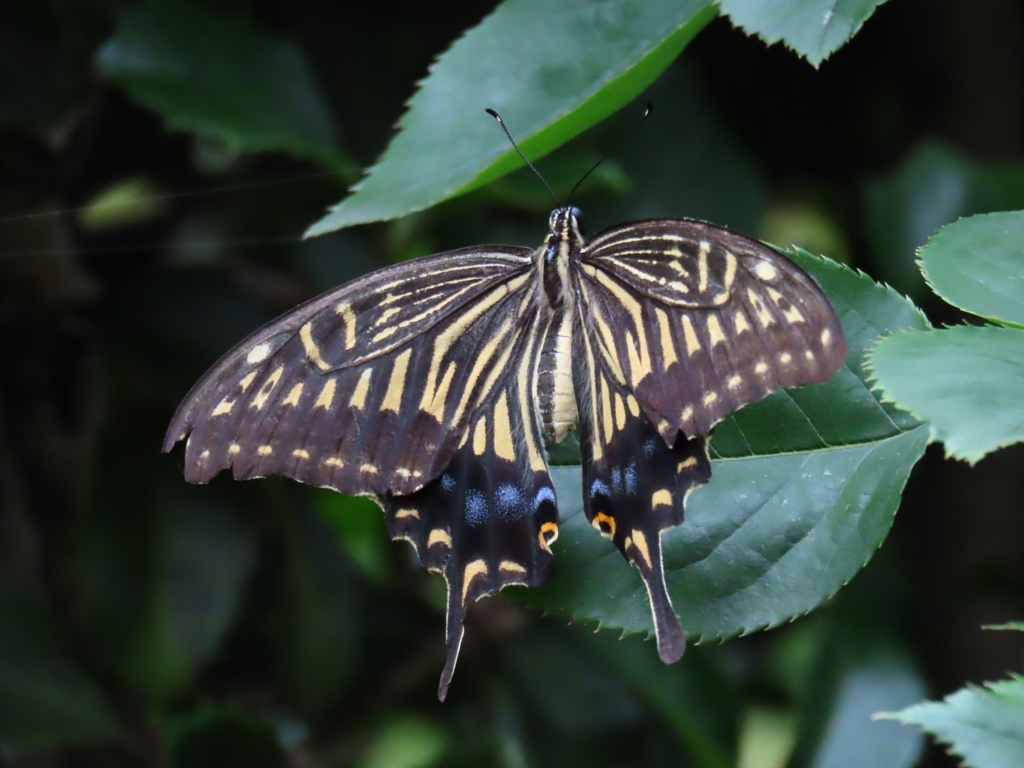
(635, 485)
(645, 555)
(488, 521)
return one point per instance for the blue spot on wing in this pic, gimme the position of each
(476, 507)
(508, 499)
(544, 494)
(631, 478)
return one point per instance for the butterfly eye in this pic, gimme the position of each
(577, 218)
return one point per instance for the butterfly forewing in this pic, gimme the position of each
(698, 320)
(368, 388)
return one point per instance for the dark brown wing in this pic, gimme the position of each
(369, 388)
(697, 320)
(634, 485)
(679, 324)
(489, 520)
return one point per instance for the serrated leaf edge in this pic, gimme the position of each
(885, 397)
(694, 638)
(804, 55)
(497, 155)
(985, 688)
(919, 261)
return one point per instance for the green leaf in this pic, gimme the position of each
(1014, 626)
(359, 530)
(813, 28)
(219, 74)
(965, 381)
(977, 264)
(550, 74)
(124, 203)
(203, 556)
(804, 491)
(984, 726)
(48, 698)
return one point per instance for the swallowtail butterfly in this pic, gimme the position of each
(434, 385)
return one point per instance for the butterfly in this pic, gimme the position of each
(434, 386)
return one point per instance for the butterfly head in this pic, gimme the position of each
(565, 224)
(552, 259)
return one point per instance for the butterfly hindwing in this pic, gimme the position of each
(366, 389)
(488, 521)
(634, 485)
(698, 320)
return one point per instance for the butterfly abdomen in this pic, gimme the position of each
(555, 388)
(556, 395)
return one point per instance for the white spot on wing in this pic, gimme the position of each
(765, 270)
(258, 353)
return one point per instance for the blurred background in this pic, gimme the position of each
(144, 622)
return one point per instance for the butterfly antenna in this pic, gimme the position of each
(646, 114)
(526, 160)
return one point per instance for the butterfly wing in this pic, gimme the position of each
(680, 323)
(369, 388)
(634, 484)
(416, 385)
(488, 521)
(706, 320)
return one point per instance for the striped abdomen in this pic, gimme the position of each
(555, 385)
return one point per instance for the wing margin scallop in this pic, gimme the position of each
(293, 399)
(706, 320)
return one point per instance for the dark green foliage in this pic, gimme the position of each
(144, 622)
(217, 737)
(222, 76)
(49, 697)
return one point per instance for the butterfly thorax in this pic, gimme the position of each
(552, 259)
(555, 389)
